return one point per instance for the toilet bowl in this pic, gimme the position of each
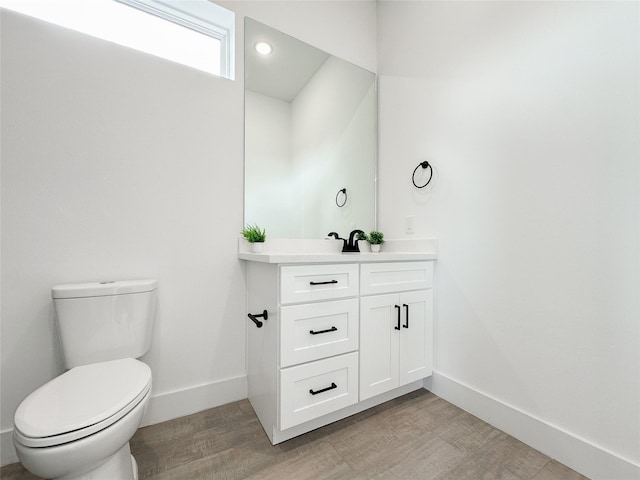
(78, 425)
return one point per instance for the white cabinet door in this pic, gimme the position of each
(396, 333)
(416, 336)
(378, 344)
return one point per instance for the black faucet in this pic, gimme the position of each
(350, 246)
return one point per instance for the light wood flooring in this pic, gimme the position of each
(417, 436)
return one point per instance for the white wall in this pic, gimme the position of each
(116, 164)
(529, 113)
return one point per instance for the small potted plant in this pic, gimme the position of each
(255, 236)
(375, 239)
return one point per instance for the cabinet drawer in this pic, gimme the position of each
(395, 277)
(314, 389)
(317, 330)
(308, 283)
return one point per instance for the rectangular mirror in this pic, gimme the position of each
(310, 139)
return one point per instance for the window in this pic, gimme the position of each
(196, 33)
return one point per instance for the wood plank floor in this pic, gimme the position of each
(417, 436)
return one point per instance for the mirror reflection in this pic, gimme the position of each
(310, 138)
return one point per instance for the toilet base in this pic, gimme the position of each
(121, 466)
(134, 464)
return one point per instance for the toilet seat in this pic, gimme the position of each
(81, 402)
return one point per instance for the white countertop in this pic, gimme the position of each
(268, 257)
(294, 251)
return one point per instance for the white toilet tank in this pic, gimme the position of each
(105, 321)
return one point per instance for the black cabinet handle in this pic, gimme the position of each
(406, 325)
(332, 329)
(333, 385)
(323, 283)
(254, 318)
(398, 326)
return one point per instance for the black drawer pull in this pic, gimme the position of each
(332, 329)
(333, 385)
(406, 325)
(323, 283)
(398, 326)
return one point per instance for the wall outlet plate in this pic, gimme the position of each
(408, 224)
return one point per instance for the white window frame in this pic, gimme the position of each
(201, 16)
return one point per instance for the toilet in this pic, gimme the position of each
(78, 425)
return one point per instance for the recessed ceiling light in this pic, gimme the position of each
(263, 48)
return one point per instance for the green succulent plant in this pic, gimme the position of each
(254, 234)
(375, 238)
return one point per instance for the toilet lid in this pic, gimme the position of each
(82, 401)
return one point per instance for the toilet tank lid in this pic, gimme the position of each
(101, 289)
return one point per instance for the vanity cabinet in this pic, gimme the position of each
(330, 346)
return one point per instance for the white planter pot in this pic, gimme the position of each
(375, 248)
(257, 247)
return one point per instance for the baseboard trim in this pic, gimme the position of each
(7, 451)
(178, 403)
(581, 455)
(164, 406)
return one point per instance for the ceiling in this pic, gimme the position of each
(286, 70)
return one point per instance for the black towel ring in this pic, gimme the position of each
(424, 165)
(343, 190)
